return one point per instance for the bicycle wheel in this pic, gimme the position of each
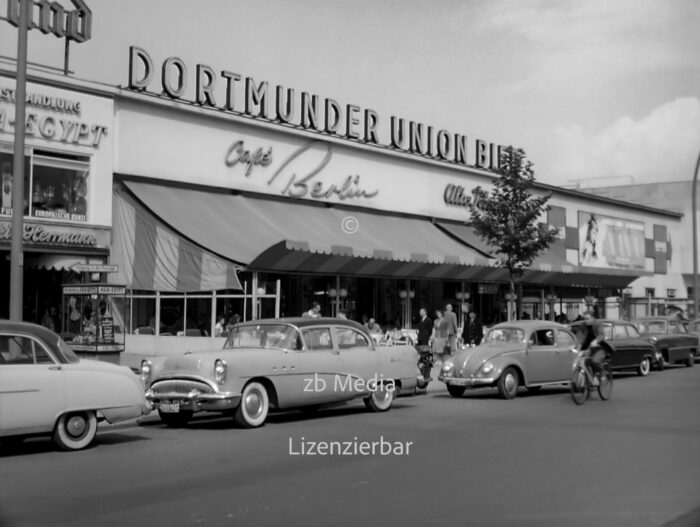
(579, 386)
(606, 384)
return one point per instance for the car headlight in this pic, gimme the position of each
(146, 369)
(486, 368)
(448, 365)
(654, 340)
(220, 371)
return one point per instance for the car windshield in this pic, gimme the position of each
(509, 335)
(652, 326)
(68, 355)
(264, 336)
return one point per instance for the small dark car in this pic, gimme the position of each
(631, 351)
(671, 338)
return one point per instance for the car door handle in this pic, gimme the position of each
(55, 368)
(335, 352)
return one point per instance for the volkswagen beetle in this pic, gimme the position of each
(529, 353)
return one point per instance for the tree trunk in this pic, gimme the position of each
(512, 293)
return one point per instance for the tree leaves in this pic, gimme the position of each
(507, 218)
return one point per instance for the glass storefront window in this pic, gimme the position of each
(56, 185)
(143, 316)
(198, 317)
(6, 169)
(59, 189)
(172, 315)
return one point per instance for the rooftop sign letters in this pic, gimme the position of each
(52, 18)
(232, 92)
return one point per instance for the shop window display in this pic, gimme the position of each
(56, 187)
(93, 317)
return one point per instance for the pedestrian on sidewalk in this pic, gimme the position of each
(438, 339)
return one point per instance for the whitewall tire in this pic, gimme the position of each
(255, 404)
(75, 430)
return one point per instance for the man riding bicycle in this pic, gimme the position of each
(591, 347)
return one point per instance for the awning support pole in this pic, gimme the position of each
(278, 296)
(254, 296)
(336, 300)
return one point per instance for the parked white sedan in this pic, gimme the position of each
(46, 389)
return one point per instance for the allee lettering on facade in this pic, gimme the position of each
(300, 182)
(245, 96)
(457, 196)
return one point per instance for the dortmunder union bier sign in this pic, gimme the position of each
(241, 95)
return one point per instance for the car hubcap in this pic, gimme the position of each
(510, 383)
(253, 404)
(76, 426)
(382, 395)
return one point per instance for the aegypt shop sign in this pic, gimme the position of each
(241, 95)
(54, 119)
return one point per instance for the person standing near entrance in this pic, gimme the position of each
(473, 332)
(314, 312)
(425, 328)
(438, 338)
(451, 319)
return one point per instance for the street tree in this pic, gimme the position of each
(509, 217)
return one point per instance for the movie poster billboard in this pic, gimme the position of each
(610, 243)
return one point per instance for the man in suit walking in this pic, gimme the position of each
(425, 328)
(473, 331)
(451, 319)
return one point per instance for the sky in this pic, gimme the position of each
(597, 92)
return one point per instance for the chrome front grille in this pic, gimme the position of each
(183, 386)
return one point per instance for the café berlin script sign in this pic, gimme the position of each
(243, 95)
(298, 182)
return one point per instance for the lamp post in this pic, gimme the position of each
(510, 297)
(16, 246)
(333, 294)
(695, 238)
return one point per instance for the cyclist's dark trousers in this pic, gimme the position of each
(597, 357)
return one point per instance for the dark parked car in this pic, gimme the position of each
(694, 329)
(671, 338)
(631, 351)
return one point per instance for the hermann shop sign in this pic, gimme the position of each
(243, 95)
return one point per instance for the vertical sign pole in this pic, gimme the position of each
(66, 56)
(16, 249)
(695, 239)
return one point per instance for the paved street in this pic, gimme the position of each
(538, 460)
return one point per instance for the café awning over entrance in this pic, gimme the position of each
(151, 256)
(294, 236)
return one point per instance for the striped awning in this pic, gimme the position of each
(153, 257)
(284, 236)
